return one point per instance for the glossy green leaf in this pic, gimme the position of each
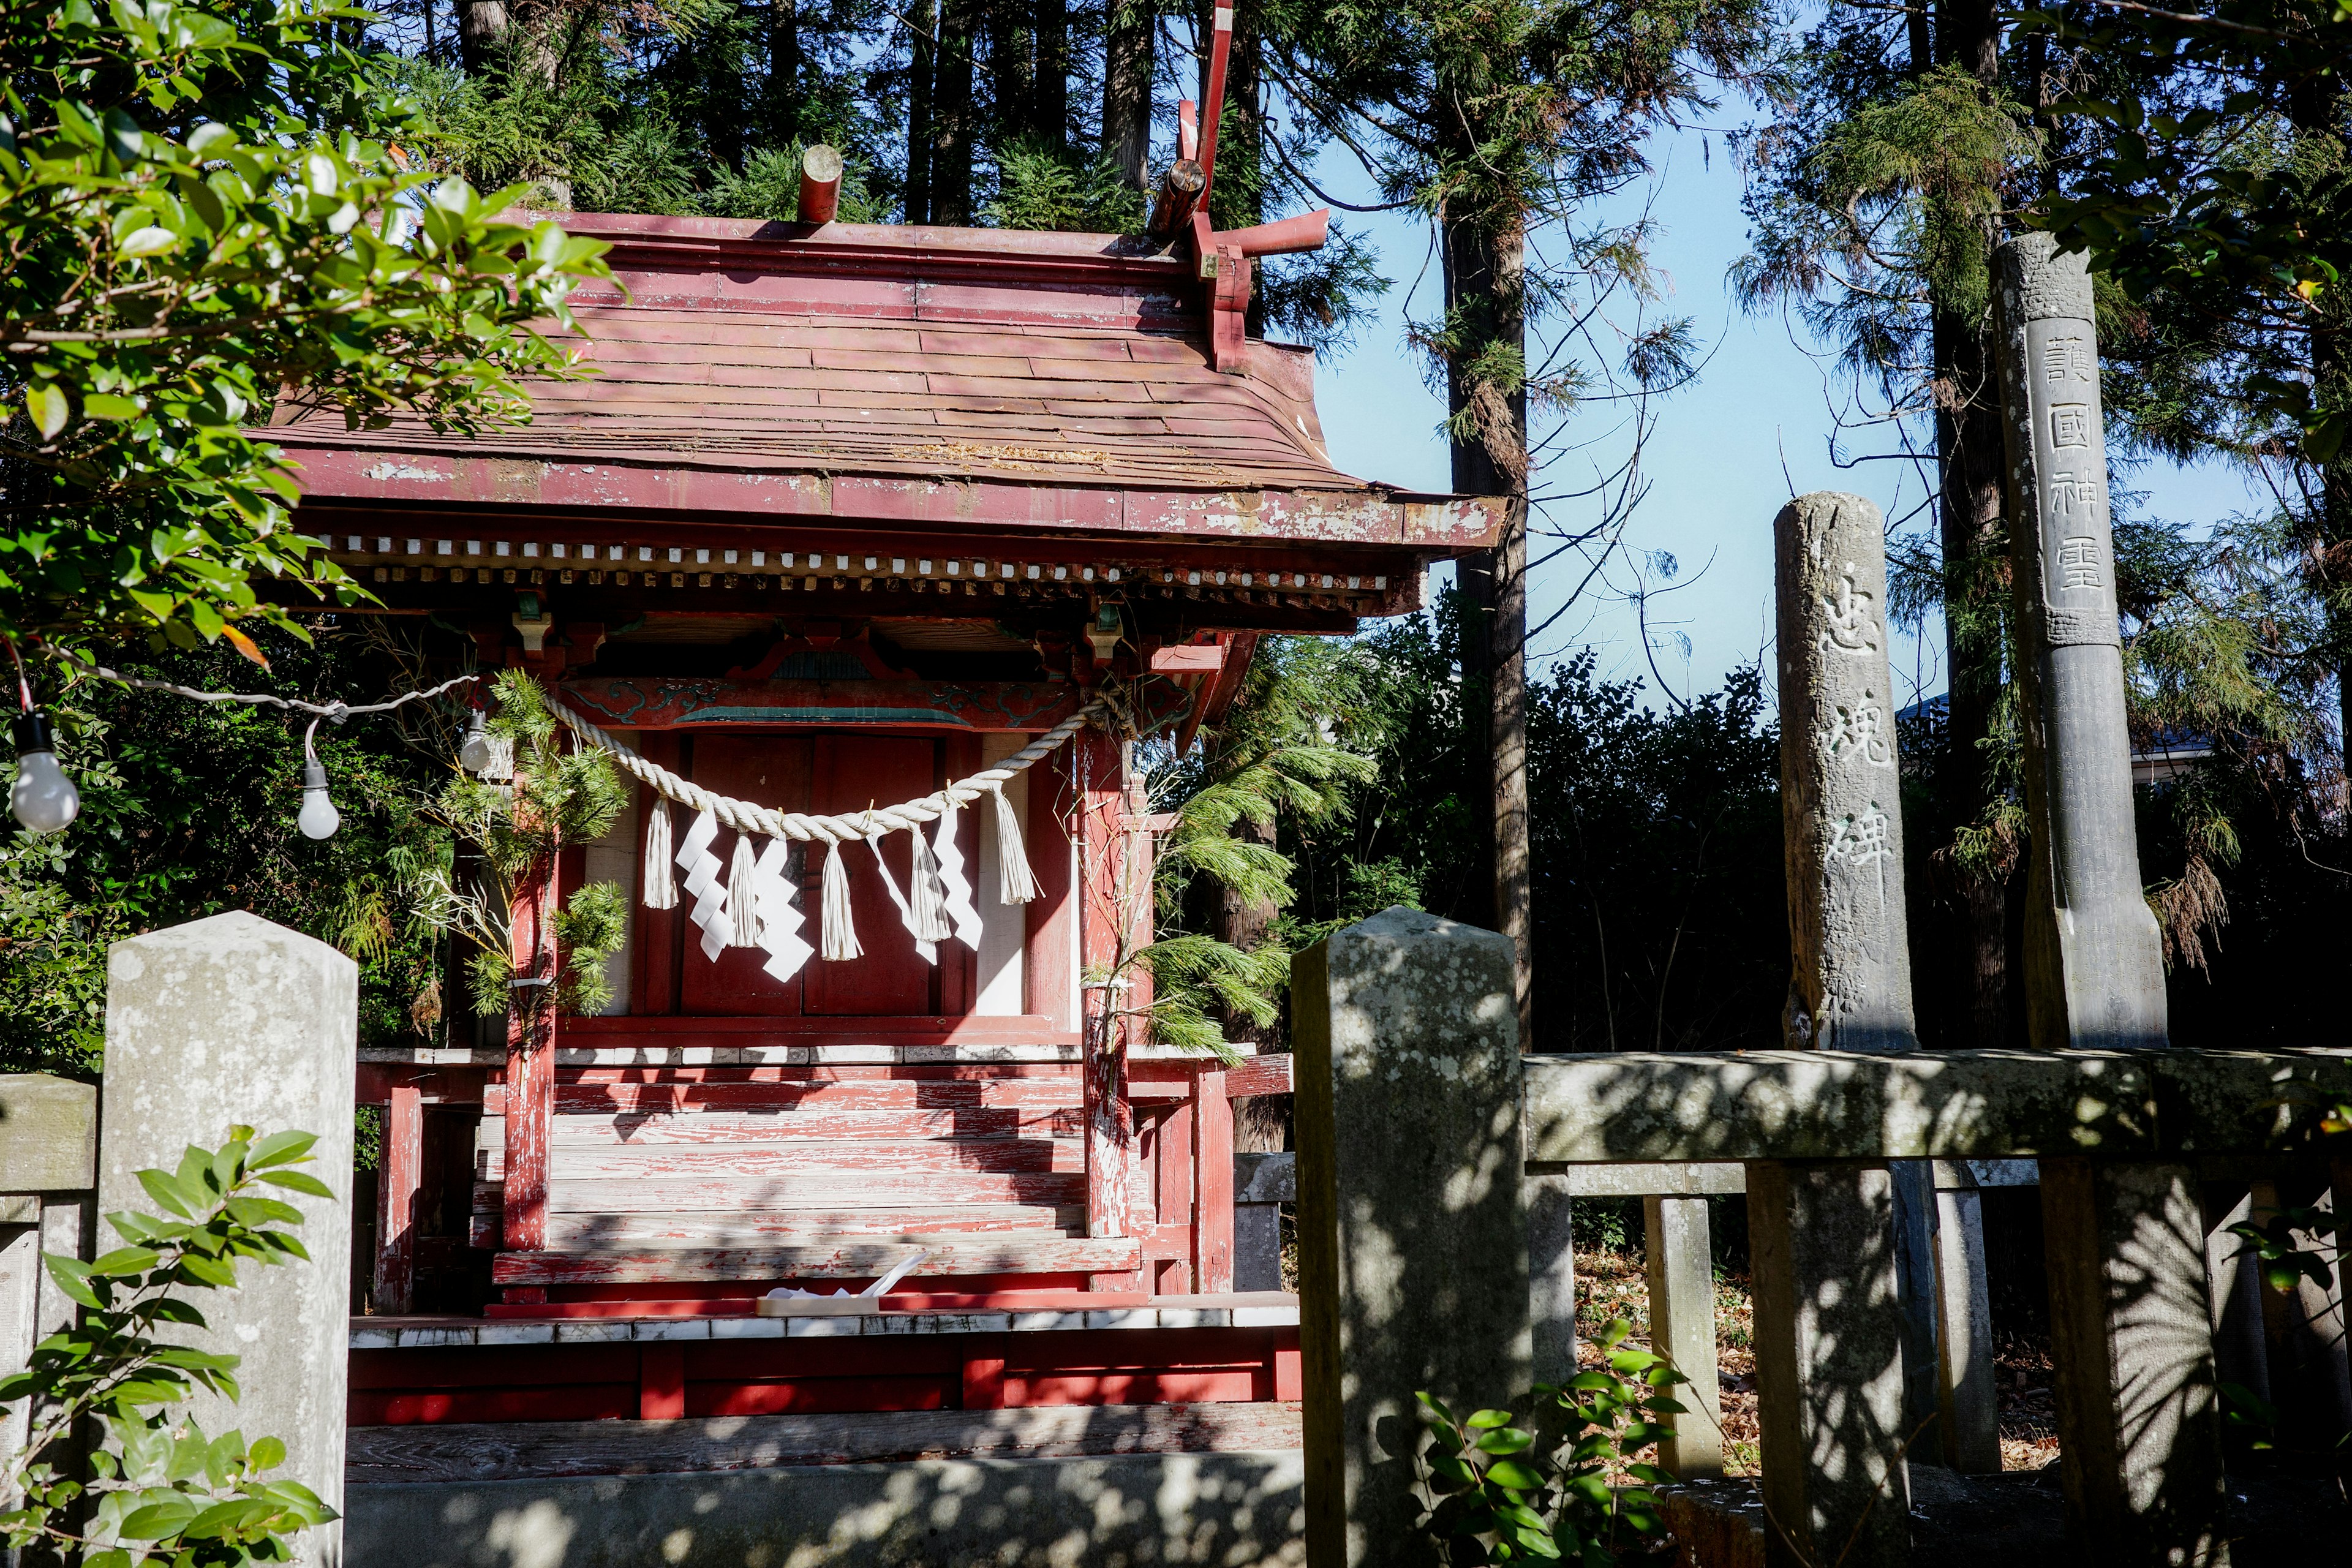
(1515, 1475)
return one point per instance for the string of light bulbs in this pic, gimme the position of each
(43, 800)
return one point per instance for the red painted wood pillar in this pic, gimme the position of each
(531, 1068)
(1107, 894)
(1172, 1183)
(1212, 1165)
(1049, 957)
(396, 1182)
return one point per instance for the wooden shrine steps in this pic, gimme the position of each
(859, 1257)
(665, 1170)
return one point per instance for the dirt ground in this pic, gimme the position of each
(1611, 1285)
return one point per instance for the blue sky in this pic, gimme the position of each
(1724, 455)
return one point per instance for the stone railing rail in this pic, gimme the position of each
(1957, 1105)
(1436, 1168)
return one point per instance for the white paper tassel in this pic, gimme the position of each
(953, 884)
(705, 882)
(661, 885)
(929, 950)
(780, 917)
(742, 900)
(838, 939)
(1015, 885)
(928, 913)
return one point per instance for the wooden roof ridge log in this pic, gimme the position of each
(820, 183)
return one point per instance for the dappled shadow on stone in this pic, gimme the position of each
(1412, 1225)
(2018, 1519)
(1238, 1510)
(2131, 1340)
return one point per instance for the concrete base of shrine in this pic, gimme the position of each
(1241, 1510)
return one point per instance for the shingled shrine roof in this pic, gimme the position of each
(925, 376)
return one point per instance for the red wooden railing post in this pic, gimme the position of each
(397, 1179)
(1213, 1166)
(661, 1381)
(530, 1065)
(983, 1374)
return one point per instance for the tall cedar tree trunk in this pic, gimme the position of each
(952, 118)
(1243, 923)
(922, 24)
(1969, 449)
(1012, 67)
(783, 106)
(1128, 35)
(1051, 118)
(2310, 106)
(480, 24)
(1485, 304)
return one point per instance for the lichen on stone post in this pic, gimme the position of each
(1840, 785)
(2093, 957)
(2138, 1408)
(229, 1020)
(1412, 1224)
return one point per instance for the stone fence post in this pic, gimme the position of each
(1838, 1312)
(2138, 1411)
(1850, 986)
(228, 1020)
(1413, 1234)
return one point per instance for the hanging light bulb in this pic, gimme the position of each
(319, 819)
(478, 751)
(43, 799)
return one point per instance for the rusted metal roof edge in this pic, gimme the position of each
(1368, 514)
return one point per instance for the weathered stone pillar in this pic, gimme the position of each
(1412, 1231)
(2138, 1416)
(1840, 788)
(228, 1020)
(2234, 1286)
(1827, 1454)
(48, 1157)
(1551, 1276)
(1675, 1251)
(1828, 1364)
(1263, 1182)
(1970, 1407)
(2094, 960)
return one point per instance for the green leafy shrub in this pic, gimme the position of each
(1042, 187)
(1569, 1486)
(158, 1489)
(196, 203)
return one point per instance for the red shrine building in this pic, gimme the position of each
(841, 514)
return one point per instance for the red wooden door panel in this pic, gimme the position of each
(772, 770)
(851, 773)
